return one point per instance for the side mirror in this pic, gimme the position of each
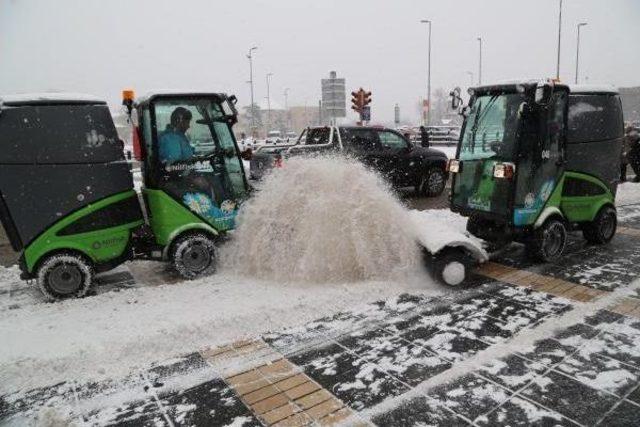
(456, 100)
(233, 99)
(246, 154)
(543, 93)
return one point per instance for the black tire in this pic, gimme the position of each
(547, 242)
(603, 227)
(64, 275)
(193, 255)
(433, 183)
(452, 267)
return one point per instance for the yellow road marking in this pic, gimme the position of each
(278, 392)
(539, 282)
(627, 306)
(635, 232)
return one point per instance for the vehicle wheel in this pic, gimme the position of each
(64, 275)
(452, 266)
(547, 242)
(603, 227)
(433, 183)
(194, 255)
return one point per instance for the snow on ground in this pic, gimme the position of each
(113, 333)
(628, 193)
(332, 238)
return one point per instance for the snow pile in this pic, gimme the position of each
(435, 229)
(323, 219)
(628, 193)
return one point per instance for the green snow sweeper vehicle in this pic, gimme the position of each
(67, 198)
(67, 201)
(193, 175)
(536, 160)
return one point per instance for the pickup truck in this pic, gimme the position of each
(384, 150)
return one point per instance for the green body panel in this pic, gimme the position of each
(585, 208)
(168, 218)
(99, 246)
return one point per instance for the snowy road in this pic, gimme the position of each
(528, 344)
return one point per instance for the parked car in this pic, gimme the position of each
(385, 150)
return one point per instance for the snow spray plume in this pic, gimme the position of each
(322, 219)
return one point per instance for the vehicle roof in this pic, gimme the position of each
(573, 88)
(593, 89)
(148, 96)
(49, 98)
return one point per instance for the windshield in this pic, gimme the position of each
(491, 127)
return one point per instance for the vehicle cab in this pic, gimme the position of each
(536, 159)
(192, 171)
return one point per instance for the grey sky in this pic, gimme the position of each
(101, 47)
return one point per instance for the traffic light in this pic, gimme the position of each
(357, 101)
(366, 98)
(360, 100)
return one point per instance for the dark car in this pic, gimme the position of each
(384, 150)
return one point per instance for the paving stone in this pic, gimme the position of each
(28, 403)
(208, 403)
(363, 387)
(634, 396)
(548, 352)
(313, 399)
(625, 414)
(470, 396)
(419, 411)
(323, 409)
(452, 346)
(570, 397)
(522, 412)
(411, 364)
(512, 372)
(601, 372)
(619, 347)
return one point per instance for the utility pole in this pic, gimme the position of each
(582, 24)
(253, 120)
(268, 103)
(559, 39)
(426, 21)
(480, 63)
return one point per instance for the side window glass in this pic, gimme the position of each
(391, 140)
(594, 118)
(359, 140)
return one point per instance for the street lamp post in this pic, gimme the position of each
(582, 24)
(559, 39)
(286, 105)
(426, 21)
(250, 56)
(269, 102)
(470, 73)
(480, 63)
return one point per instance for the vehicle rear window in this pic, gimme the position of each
(594, 118)
(318, 136)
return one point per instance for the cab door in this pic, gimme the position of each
(542, 161)
(398, 164)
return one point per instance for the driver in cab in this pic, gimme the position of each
(173, 144)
